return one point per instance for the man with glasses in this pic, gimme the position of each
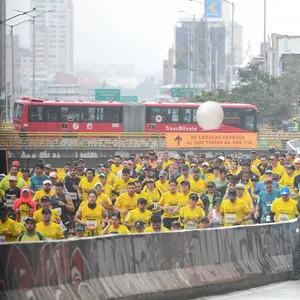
(261, 185)
(276, 166)
(185, 175)
(198, 184)
(262, 165)
(266, 199)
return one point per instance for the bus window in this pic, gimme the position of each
(70, 114)
(162, 115)
(175, 115)
(51, 113)
(18, 111)
(187, 115)
(250, 122)
(112, 115)
(35, 113)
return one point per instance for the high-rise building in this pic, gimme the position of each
(168, 68)
(53, 36)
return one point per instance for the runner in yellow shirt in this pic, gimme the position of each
(166, 160)
(9, 229)
(139, 213)
(91, 215)
(154, 195)
(191, 214)
(169, 204)
(284, 209)
(120, 185)
(156, 225)
(107, 188)
(288, 178)
(116, 166)
(46, 203)
(234, 211)
(87, 184)
(45, 191)
(30, 235)
(197, 184)
(127, 201)
(25, 175)
(255, 159)
(61, 175)
(102, 198)
(162, 184)
(114, 226)
(49, 229)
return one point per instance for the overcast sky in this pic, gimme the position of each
(139, 32)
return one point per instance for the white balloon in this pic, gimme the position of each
(210, 115)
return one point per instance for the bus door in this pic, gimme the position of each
(51, 114)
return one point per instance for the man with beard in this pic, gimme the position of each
(30, 235)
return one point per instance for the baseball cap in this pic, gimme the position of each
(47, 182)
(268, 172)
(24, 170)
(185, 182)
(25, 189)
(196, 170)
(15, 163)
(29, 219)
(139, 224)
(254, 178)
(292, 167)
(297, 161)
(204, 220)
(184, 167)
(240, 186)
(150, 180)
(221, 157)
(53, 175)
(141, 200)
(79, 227)
(12, 178)
(194, 196)
(46, 210)
(80, 167)
(253, 152)
(285, 191)
(100, 166)
(2, 175)
(163, 173)
(81, 160)
(147, 167)
(211, 184)
(98, 184)
(103, 175)
(205, 164)
(47, 166)
(175, 224)
(45, 198)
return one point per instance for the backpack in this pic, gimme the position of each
(22, 234)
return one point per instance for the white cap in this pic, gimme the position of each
(221, 157)
(47, 181)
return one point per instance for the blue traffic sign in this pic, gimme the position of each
(213, 9)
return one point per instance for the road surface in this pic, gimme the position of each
(289, 290)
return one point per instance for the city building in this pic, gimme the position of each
(168, 68)
(279, 49)
(53, 36)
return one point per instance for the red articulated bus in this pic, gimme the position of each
(82, 116)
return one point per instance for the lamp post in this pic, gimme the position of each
(33, 46)
(3, 22)
(12, 98)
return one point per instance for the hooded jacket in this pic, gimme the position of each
(30, 207)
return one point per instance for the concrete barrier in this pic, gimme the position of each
(177, 265)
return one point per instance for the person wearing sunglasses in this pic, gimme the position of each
(276, 166)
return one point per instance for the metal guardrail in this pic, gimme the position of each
(115, 140)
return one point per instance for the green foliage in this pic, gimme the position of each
(274, 96)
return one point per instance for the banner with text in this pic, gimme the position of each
(212, 140)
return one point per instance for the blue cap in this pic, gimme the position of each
(285, 191)
(79, 227)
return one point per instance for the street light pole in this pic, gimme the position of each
(265, 36)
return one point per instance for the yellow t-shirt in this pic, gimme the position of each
(126, 202)
(27, 182)
(181, 178)
(154, 196)
(163, 187)
(120, 185)
(233, 211)
(39, 194)
(111, 178)
(287, 180)
(162, 229)
(93, 219)
(209, 177)
(247, 199)
(86, 186)
(166, 163)
(37, 216)
(198, 187)
(284, 211)
(145, 195)
(26, 238)
(279, 170)
(256, 162)
(12, 227)
(135, 215)
(108, 190)
(121, 230)
(116, 169)
(255, 170)
(61, 176)
(172, 202)
(52, 231)
(81, 177)
(188, 214)
(185, 200)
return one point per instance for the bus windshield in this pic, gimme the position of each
(18, 111)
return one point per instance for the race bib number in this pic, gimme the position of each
(48, 239)
(268, 218)
(230, 218)
(171, 208)
(283, 218)
(58, 209)
(191, 225)
(73, 196)
(2, 239)
(155, 205)
(91, 224)
(9, 203)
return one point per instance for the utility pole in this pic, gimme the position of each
(265, 36)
